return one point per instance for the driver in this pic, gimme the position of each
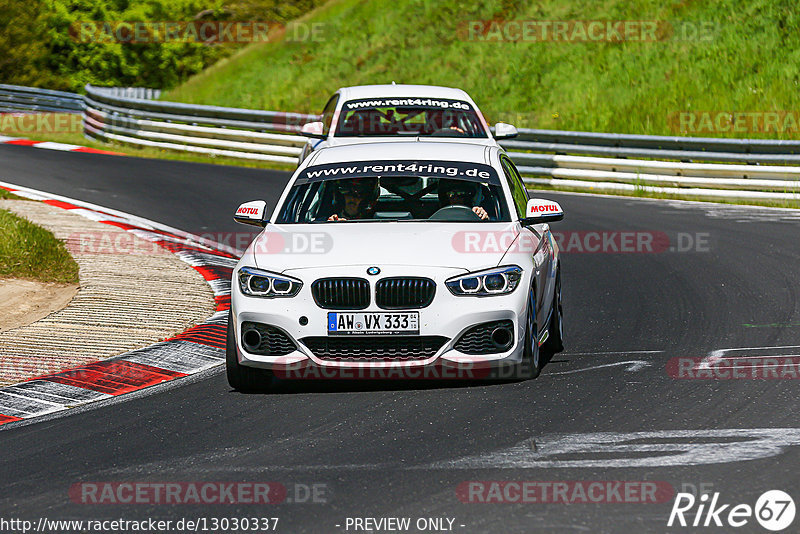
(462, 193)
(355, 198)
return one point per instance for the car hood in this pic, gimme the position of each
(467, 246)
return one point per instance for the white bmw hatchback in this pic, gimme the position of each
(408, 256)
(386, 113)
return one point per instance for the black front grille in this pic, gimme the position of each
(341, 293)
(274, 342)
(404, 293)
(373, 348)
(478, 339)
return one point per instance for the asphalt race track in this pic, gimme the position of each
(403, 450)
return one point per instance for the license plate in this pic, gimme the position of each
(402, 323)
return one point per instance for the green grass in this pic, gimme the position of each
(8, 195)
(29, 251)
(748, 60)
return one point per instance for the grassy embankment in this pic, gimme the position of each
(715, 55)
(30, 252)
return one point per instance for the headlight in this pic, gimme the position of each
(497, 281)
(257, 283)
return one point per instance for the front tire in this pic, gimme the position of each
(240, 377)
(531, 364)
(555, 338)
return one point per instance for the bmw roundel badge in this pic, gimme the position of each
(373, 271)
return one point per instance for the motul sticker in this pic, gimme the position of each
(544, 208)
(244, 210)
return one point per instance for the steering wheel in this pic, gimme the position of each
(455, 213)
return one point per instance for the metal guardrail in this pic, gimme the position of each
(603, 162)
(19, 99)
(657, 146)
(655, 173)
(614, 174)
(752, 169)
(134, 92)
(113, 115)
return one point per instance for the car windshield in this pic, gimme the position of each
(409, 116)
(395, 191)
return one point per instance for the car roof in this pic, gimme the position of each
(401, 90)
(404, 150)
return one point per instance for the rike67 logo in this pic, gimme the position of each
(774, 510)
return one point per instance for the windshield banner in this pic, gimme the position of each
(425, 103)
(473, 172)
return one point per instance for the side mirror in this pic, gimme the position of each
(313, 129)
(253, 212)
(541, 211)
(505, 131)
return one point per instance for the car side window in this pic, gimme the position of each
(516, 186)
(327, 113)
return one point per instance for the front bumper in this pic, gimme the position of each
(447, 316)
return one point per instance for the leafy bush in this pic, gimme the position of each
(41, 44)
